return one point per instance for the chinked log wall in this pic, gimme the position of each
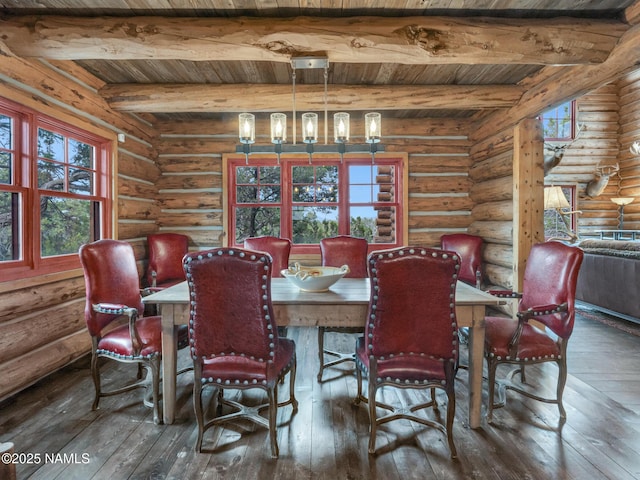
(596, 145)
(629, 95)
(191, 190)
(41, 318)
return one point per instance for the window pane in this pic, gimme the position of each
(9, 215)
(65, 224)
(246, 175)
(50, 176)
(80, 154)
(6, 143)
(246, 194)
(302, 174)
(312, 224)
(80, 181)
(360, 194)
(6, 132)
(314, 184)
(270, 175)
(6, 164)
(257, 221)
(50, 145)
(269, 193)
(381, 221)
(362, 222)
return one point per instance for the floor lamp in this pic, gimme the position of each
(621, 202)
(554, 199)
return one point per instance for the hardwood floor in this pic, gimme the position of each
(327, 438)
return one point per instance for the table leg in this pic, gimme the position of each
(476, 360)
(169, 364)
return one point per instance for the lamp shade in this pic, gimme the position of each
(622, 200)
(278, 128)
(309, 127)
(247, 127)
(555, 198)
(341, 127)
(373, 127)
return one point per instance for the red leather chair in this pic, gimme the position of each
(548, 297)
(278, 248)
(113, 294)
(336, 252)
(469, 248)
(165, 259)
(411, 335)
(233, 335)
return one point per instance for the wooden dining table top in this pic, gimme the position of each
(347, 291)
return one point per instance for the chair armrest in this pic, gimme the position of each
(505, 294)
(539, 310)
(525, 315)
(126, 311)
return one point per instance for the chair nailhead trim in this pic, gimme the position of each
(375, 288)
(188, 265)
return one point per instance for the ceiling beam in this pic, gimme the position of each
(274, 98)
(552, 86)
(400, 40)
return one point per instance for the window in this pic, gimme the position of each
(558, 123)
(561, 223)
(307, 202)
(54, 191)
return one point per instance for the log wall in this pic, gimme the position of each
(191, 191)
(596, 145)
(492, 214)
(629, 95)
(41, 318)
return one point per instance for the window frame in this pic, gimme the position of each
(286, 229)
(27, 122)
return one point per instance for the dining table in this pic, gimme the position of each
(345, 304)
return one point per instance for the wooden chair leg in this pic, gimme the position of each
(95, 374)
(320, 352)
(562, 380)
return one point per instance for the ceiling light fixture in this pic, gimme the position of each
(341, 129)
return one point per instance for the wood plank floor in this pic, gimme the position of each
(327, 438)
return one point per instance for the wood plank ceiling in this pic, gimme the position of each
(410, 58)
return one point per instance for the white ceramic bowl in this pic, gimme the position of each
(314, 279)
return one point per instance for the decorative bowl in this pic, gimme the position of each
(314, 279)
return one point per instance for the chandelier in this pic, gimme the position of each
(309, 124)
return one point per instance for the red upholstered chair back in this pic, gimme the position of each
(412, 305)
(550, 277)
(231, 288)
(278, 248)
(111, 276)
(469, 248)
(165, 258)
(346, 250)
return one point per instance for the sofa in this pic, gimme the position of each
(609, 278)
